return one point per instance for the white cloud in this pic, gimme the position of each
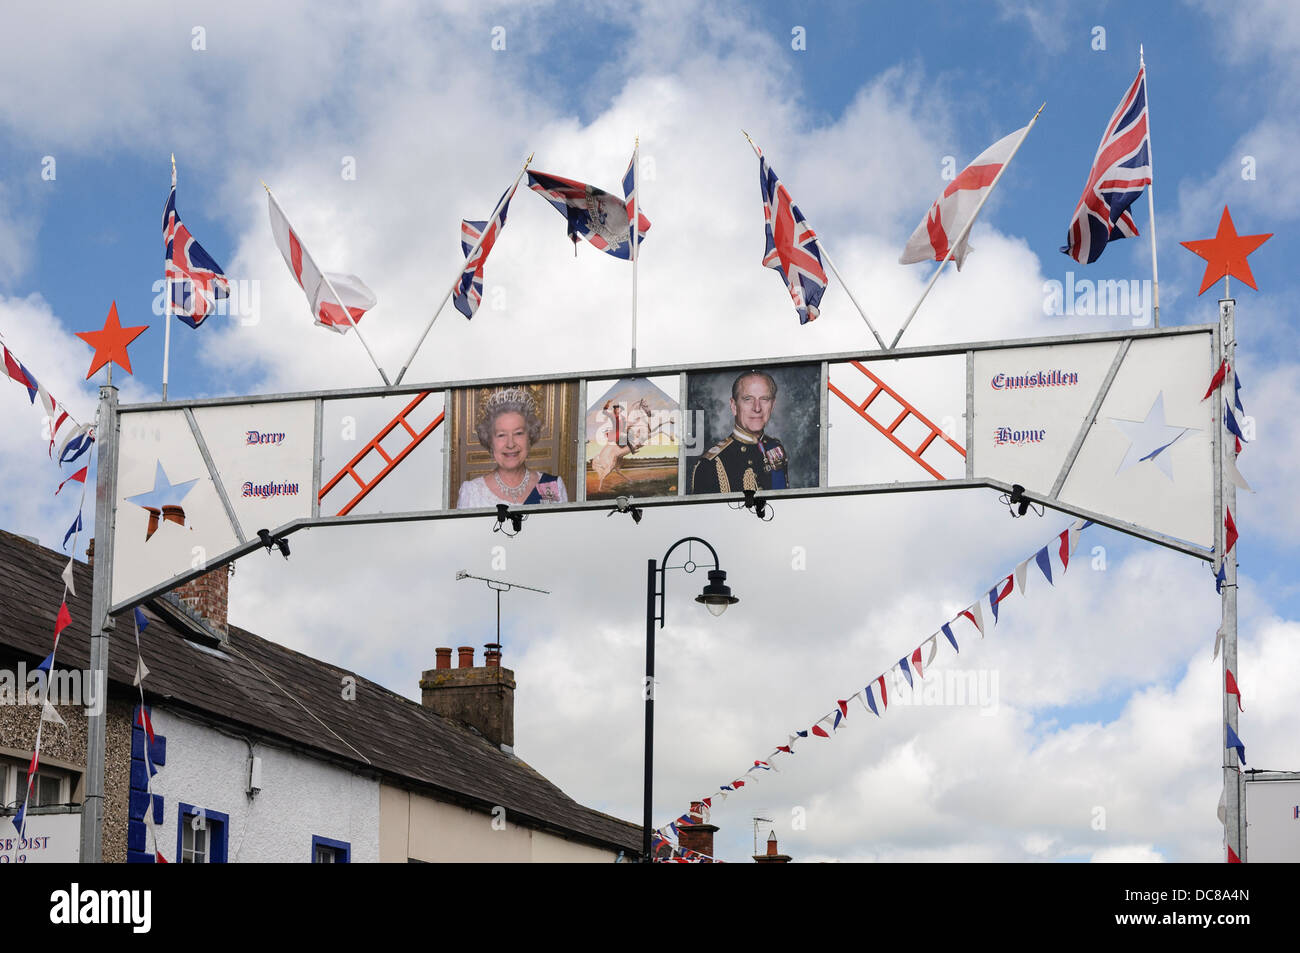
(1046, 20)
(40, 340)
(15, 239)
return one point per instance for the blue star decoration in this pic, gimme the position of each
(1149, 439)
(163, 501)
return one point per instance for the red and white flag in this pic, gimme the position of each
(958, 204)
(325, 307)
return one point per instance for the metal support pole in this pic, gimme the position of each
(634, 222)
(460, 271)
(167, 337)
(92, 811)
(655, 611)
(1151, 196)
(648, 690)
(961, 236)
(1233, 827)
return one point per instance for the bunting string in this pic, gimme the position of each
(48, 712)
(874, 696)
(1220, 382)
(72, 438)
(141, 622)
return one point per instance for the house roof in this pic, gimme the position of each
(286, 695)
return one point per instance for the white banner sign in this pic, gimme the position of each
(176, 513)
(1144, 457)
(51, 839)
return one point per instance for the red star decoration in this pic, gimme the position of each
(1225, 253)
(110, 342)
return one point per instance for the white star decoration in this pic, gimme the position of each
(1151, 438)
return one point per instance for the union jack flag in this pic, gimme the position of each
(197, 281)
(792, 247)
(1120, 172)
(469, 289)
(592, 213)
(633, 203)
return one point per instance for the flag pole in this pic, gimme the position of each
(822, 245)
(836, 271)
(970, 222)
(634, 222)
(167, 312)
(1151, 195)
(337, 298)
(505, 196)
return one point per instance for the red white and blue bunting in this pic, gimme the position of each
(144, 721)
(72, 440)
(1231, 740)
(874, 696)
(62, 619)
(664, 851)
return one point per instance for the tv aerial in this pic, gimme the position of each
(498, 586)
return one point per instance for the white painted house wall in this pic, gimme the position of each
(300, 796)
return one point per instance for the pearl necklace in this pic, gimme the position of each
(514, 493)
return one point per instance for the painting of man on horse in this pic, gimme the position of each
(632, 444)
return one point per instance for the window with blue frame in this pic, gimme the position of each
(327, 851)
(201, 835)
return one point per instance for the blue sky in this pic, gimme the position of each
(108, 230)
(857, 125)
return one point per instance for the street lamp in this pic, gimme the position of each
(717, 596)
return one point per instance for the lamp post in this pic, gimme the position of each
(717, 596)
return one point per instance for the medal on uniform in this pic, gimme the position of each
(775, 462)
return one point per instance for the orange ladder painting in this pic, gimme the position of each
(861, 409)
(390, 461)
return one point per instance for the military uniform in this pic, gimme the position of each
(741, 462)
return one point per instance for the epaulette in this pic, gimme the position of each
(718, 449)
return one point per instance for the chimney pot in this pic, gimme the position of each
(481, 698)
(772, 856)
(697, 837)
(492, 655)
(90, 552)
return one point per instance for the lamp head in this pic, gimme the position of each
(717, 594)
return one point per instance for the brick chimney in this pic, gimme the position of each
(771, 857)
(209, 596)
(482, 697)
(697, 837)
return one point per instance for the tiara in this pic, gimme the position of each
(507, 397)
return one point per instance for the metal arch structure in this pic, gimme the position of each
(109, 600)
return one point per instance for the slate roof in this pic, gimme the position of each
(238, 683)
